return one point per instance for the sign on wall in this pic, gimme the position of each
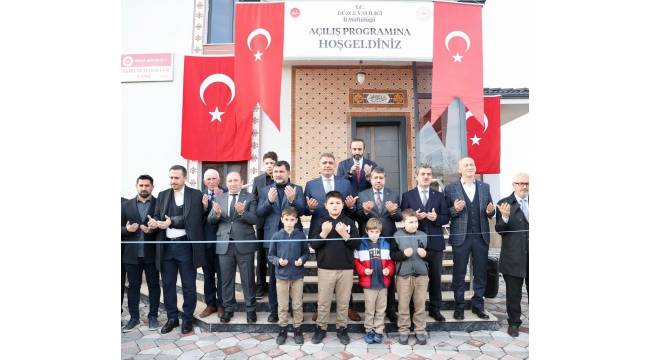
(147, 67)
(354, 30)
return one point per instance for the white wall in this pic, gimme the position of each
(151, 111)
(507, 43)
(516, 151)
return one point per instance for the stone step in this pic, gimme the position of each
(310, 300)
(311, 268)
(311, 283)
(238, 322)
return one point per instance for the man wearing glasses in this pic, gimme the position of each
(512, 225)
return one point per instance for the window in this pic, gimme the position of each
(221, 17)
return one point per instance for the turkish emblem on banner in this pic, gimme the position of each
(484, 140)
(259, 43)
(457, 58)
(211, 130)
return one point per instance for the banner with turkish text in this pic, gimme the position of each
(484, 140)
(211, 130)
(457, 58)
(259, 42)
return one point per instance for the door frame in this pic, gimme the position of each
(395, 118)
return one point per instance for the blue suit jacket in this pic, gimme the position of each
(356, 186)
(411, 199)
(272, 212)
(315, 189)
(458, 227)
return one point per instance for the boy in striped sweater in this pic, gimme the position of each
(373, 264)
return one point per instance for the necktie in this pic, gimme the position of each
(232, 205)
(378, 200)
(358, 172)
(328, 186)
(211, 196)
(524, 207)
(425, 197)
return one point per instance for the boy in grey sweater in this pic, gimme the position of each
(289, 258)
(411, 277)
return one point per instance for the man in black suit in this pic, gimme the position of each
(470, 207)
(234, 212)
(178, 216)
(123, 267)
(211, 288)
(381, 203)
(269, 159)
(512, 225)
(431, 210)
(140, 257)
(272, 200)
(357, 168)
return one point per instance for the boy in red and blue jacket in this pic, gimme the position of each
(373, 264)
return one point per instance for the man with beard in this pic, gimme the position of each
(357, 168)
(140, 257)
(512, 225)
(273, 199)
(178, 216)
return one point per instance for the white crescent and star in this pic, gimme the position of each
(253, 34)
(457, 33)
(212, 79)
(469, 114)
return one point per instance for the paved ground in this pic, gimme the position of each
(484, 345)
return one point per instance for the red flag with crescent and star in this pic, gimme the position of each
(259, 43)
(484, 140)
(211, 127)
(457, 58)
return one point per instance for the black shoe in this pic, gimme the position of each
(259, 293)
(273, 318)
(437, 316)
(459, 314)
(169, 326)
(513, 330)
(297, 336)
(480, 314)
(392, 317)
(187, 327)
(130, 326)
(251, 317)
(319, 335)
(282, 336)
(226, 316)
(342, 334)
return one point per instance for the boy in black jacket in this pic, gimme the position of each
(335, 256)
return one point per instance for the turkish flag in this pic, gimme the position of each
(259, 43)
(484, 140)
(211, 129)
(457, 58)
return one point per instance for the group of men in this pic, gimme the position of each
(242, 222)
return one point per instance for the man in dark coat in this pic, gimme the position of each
(512, 225)
(211, 287)
(268, 160)
(178, 216)
(140, 257)
(357, 168)
(470, 207)
(431, 210)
